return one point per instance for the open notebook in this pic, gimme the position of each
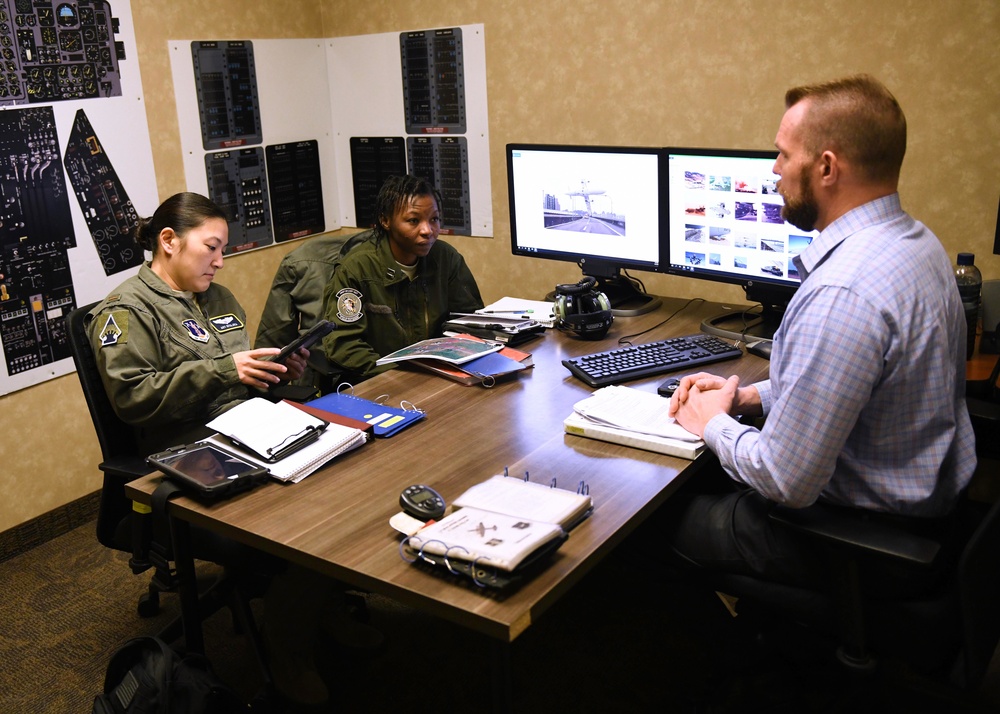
(502, 522)
(262, 432)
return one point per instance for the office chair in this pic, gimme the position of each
(925, 598)
(119, 526)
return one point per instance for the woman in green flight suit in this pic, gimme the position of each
(172, 346)
(174, 352)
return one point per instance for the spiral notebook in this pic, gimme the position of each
(288, 442)
(271, 430)
(498, 529)
(331, 443)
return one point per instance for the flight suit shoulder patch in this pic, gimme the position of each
(115, 329)
(349, 305)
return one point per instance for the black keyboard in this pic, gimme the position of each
(625, 363)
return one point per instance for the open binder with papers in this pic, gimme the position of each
(631, 417)
(498, 529)
(288, 442)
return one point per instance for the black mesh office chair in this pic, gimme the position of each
(927, 599)
(122, 527)
(118, 525)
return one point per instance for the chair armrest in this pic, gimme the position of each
(985, 417)
(128, 468)
(292, 392)
(318, 361)
(844, 528)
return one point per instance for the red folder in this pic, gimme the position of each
(332, 418)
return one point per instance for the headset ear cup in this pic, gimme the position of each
(559, 307)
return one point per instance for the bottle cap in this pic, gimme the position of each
(966, 258)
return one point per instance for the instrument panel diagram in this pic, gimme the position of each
(106, 207)
(237, 182)
(36, 233)
(373, 160)
(228, 103)
(54, 51)
(295, 189)
(433, 81)
(444, 161)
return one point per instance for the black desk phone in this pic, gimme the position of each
(422, 502)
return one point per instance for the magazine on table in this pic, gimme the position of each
(454, 350)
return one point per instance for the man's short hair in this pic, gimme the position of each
(396, 193)
(857, 118)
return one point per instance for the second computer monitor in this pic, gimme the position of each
(724, 224)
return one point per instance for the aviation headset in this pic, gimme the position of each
(582, 309)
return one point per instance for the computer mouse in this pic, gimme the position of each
(668, 388)
(761, 348)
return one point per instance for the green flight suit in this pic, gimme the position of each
(295, 302)
(377, 309)
(166, 356)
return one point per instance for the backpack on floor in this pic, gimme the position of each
(145, 675)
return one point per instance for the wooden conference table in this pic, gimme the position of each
(336, 521)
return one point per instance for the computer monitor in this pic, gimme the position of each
(597, 206)
(724, 224)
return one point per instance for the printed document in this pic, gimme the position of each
(633, 410)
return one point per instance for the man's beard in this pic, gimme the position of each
(802, 211)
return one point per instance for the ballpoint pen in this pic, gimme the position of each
(505, 312)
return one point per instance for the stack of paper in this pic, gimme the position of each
(268, 429)
(538, 310)
(628, 416)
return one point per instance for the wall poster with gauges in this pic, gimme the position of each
(76, 171)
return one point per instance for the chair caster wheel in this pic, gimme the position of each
(148, 607)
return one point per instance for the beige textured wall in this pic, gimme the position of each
(709, 73)
(682, 72)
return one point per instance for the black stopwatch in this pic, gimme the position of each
(422, 502)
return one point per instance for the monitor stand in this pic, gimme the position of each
(747, 325)
(626, 300)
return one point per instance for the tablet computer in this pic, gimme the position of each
(307, 339)
(207, 471)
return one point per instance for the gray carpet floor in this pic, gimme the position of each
(622, 641)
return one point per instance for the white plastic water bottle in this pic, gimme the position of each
(970, 287)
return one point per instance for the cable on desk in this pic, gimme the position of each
(746, 322)
(624, 340)
(636, 282)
